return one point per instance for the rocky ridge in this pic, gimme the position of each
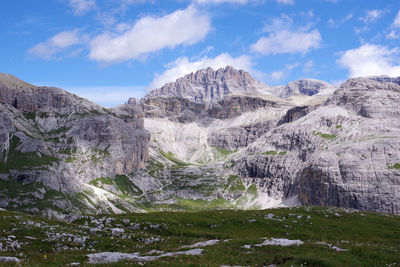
(210, 147)
(208, 85)
(338, 150)
(54, 143)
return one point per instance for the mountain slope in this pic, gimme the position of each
(342, 152)
(240, 150)
(53, 143)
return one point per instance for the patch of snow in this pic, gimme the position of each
(280, 242)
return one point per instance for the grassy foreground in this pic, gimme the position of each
(332, 237)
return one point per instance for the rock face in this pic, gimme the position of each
(308, 87)
(54, 141)
(217, 141)
(208, 85)
(341, 152)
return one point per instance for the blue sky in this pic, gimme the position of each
(109, 50)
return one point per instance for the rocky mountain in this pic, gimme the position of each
(211, 140)
(332, 150)
(308, 87)
(208, 85)
(54, 143)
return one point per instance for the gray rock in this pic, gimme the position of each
(308, 87)
(208, 85)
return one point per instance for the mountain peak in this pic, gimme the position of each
(308, 87)
(209, 85)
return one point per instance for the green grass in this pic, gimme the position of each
(275, 153)
(22, 195)
(17, 160)
(153, 166)
(126, 186)
(102, 180)
(325, 135)
(121, 183)
(270, 153)
(395, 166)
(338, 126)
(370, 239)
(252, 190)
(224, 152)
(30, 115)
(171, 157)
(221, 154)
(235, 183)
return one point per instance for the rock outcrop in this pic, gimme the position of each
(208, 85)
(339, 152)
(56, 141)
(217, 141)
(307, 87)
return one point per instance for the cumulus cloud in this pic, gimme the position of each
(56, 44)
(81, 7)
(183, 65)
(288, 41)
(369, 60)
(150, 34)
(284, 38)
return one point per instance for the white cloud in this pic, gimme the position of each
(80, 7)
(150, 34)
(372, 16)
(183, 66)
(338, 23)
(394, 31)
(396, 22)
(288, 41)
(369, 60)
(58, 43)
(285, 2)
(285, 38)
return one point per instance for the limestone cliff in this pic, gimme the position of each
(210, 85)
(57, 142)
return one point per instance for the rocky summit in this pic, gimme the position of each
(214, 139)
